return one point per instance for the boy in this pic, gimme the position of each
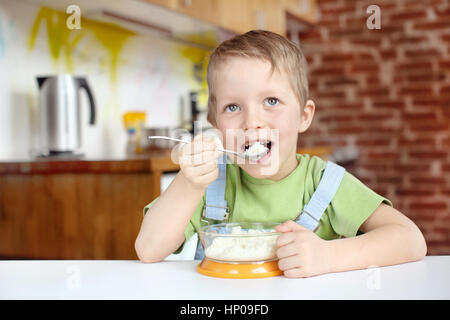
(259, 92)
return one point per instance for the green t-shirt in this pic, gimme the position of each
(263, 200)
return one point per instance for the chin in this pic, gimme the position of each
(260, 171)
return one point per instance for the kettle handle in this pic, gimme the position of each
(83, 84)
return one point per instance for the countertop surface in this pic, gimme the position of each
(131, 279)
(154, 160)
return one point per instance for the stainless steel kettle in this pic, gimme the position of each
(59, 112)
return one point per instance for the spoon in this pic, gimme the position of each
(241, 155)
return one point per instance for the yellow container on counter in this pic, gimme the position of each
(134, 122)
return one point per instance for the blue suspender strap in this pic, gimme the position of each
(216, 205)
(321, 198)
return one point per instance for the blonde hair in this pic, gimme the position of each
(265, 45)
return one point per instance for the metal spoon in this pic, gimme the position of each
(241, 155)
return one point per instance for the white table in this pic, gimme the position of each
(98, 279)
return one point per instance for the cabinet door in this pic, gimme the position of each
(170, 4)
(237, 15)
(270, 15)
(303, 9)
(206, 10)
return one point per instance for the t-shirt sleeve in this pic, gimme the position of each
(190, 229)
(352, 204)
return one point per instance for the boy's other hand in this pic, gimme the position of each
(301, 252)
(198, 161)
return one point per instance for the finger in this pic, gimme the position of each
(289, 226)
(285, 239)
(201, 143)
(286, 251)
(199, 159)
(202, 169)
(295, 273)
(289, 263)
(207, 178)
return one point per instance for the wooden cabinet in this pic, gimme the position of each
(241, 16)
(76, 209)
(302, 9)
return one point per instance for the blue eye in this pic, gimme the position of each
(271, 102)
(231, 108)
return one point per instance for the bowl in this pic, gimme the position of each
(240, 242)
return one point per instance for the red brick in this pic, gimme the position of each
(345, 130)
(353, 106)
(415, 90)
(310, 36)
(391, 104)
(444, 64)
(403, 39)
(390, 30)
(337, 57)
(428, 127)
(364, 67)
(388, 54)
(428, 180)
(343, 32)
(374, 91)
(367, 42)
(414, 192)
(413, 66)
(418, 53)
(443, 13)
(421, 116)
(428, 155)
(429, 77)
(389, 179)
(330, 95)
(366, 57)
(336, 11)
(371, 142)
(335, 70)
(374, 117)
(341, 81)
(411, 167)
(445, 90)
(386, 155)
(438, 205)
(428, 101)
(355, 22)
(420, 141)
(438, 24)
(408, 15)
(335, 118)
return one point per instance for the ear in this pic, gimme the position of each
(306, 116)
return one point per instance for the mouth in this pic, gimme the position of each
(255, 148)
(248, 144)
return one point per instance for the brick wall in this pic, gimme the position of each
(387, 93)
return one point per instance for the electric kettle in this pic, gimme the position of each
(60, 114)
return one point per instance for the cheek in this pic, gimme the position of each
(288, 131)
(228, 130)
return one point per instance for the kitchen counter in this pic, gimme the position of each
(156, 160)
(77, 208)
(131, 279)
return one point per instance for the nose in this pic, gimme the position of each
(253, 119)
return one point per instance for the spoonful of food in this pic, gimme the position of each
(255, 152)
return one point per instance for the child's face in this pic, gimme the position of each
(254, 104)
